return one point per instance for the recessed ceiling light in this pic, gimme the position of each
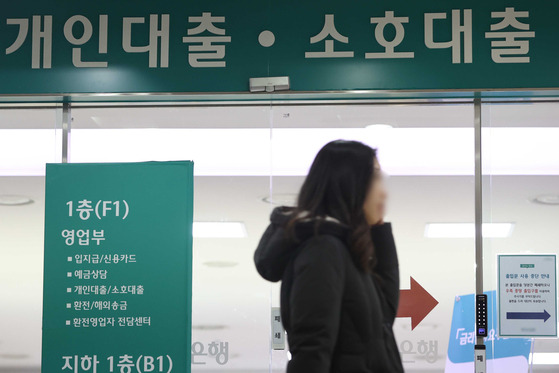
(547, 199)
(14, 200)
(219, 229)
(467, 230)
(285, 199)
(220, 263)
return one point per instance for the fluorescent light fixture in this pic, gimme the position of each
(220, 263)
(24, 152)
(289, 151)
(467, 230)
(379, 128)
(219, 229)
(545, 358)
(378, 135)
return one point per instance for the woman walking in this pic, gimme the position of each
(338, 264)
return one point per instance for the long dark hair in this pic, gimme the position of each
(337, 185)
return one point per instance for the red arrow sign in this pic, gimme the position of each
(416, 303)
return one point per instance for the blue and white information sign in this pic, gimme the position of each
(527, 295)
(510, 355)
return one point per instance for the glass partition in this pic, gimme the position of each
(29, 138)
(230, 147)
(428, 153)
(521, 190)
(249, 158)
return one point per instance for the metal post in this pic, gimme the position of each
(478, 196)
(479, 355)
(66, 127)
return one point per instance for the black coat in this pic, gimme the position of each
(338, 318)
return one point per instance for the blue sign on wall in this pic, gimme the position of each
(509, 355)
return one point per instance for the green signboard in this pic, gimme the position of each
(118, 267)
(128, 46)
